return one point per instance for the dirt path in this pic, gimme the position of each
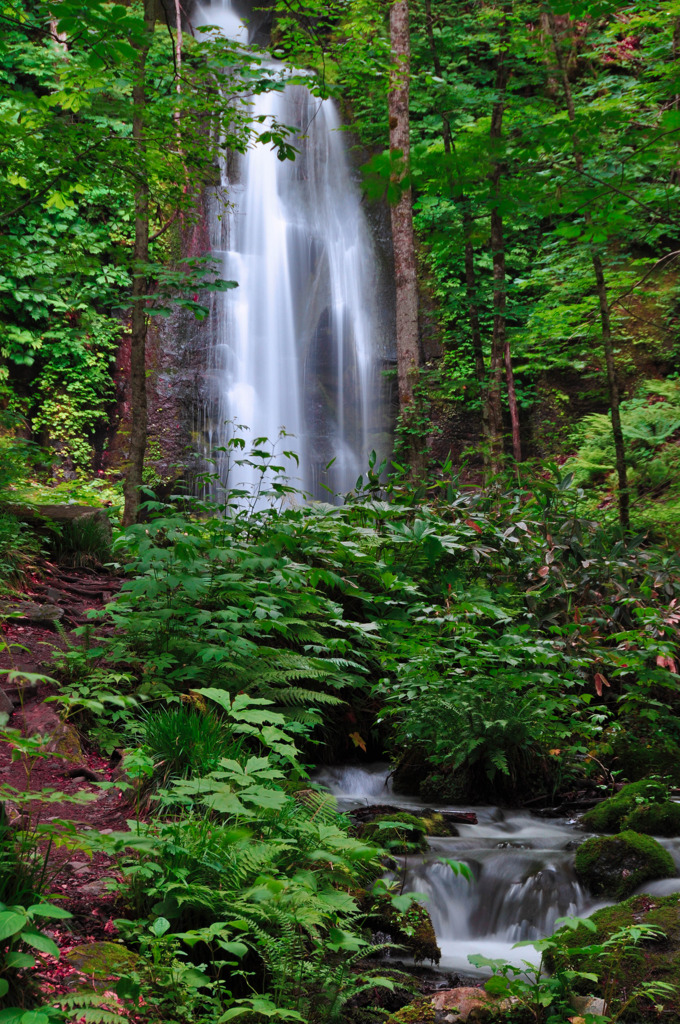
(29, 639)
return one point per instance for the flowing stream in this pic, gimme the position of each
(522, 867)
(302, 341)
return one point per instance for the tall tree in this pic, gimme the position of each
(138, 398)
(603, 298)
(408, 348)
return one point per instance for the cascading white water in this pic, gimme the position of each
(522, 868)
(299, 344)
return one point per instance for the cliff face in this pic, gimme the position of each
(176, 362)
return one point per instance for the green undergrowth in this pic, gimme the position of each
(503, 643)
(651, 428)
(644, 934)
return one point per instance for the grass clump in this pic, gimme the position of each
(608, 816)
(615, 866)
(184, 741)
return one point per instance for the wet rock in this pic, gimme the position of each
(61, 738)
(616, 865)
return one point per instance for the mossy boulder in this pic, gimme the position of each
(99, 962)
(398, 833)
(655, 819)
(608, 815)
(614, 866)
(644, 961)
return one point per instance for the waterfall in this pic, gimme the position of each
(300, 344)
(522, 870)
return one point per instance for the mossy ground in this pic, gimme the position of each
(657, 960)
(615, 866)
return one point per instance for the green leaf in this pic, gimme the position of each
(49, 910)
(40, 942)
(11, 922)
(19, 961)
(12, 1015)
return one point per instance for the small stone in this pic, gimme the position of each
(61, 738)
(6, 705)
(96, 888)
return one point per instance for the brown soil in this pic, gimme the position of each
(75, 879)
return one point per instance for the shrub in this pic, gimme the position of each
(616, 865)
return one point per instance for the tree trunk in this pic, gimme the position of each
(500, 347)
(138, 403)
(605, 310)
(408, 352)
(459, 196)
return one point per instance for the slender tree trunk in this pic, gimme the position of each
(458, 195)
(138, 402)
(408, 350)
(605, 309)
(500, 346)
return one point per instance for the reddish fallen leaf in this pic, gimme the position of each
(600, 682)
(475, 526)
(665, 662)
(544, 570)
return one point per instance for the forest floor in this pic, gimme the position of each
(66, 766)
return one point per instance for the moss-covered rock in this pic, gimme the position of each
(437, 825)
(655, 819)
(421, 1011)
(398, 833)
(609, 814)
(99, 962)
(656, 960)
(615, 866)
